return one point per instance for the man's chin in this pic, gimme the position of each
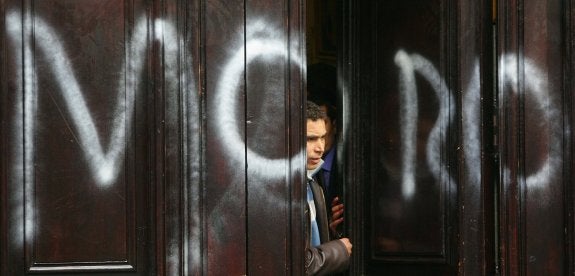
(311, 167)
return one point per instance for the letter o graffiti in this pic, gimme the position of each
(536, 86)
(225, 105)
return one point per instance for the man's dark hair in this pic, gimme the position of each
(329, 106)
(313, 112)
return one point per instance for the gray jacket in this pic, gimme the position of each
(331, 255)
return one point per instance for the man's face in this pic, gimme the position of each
(315, 133)
(329, 128)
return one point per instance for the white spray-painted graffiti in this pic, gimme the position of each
(262, 42)
(105, 166)
(536, 86)
(409, 64)
(22, 206)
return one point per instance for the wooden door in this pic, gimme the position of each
(403, 128)
(151, 137)
(459, 136)
(535, 129)
(78, 141)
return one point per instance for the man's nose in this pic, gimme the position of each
(319, 147)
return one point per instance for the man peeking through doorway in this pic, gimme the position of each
(323, 256)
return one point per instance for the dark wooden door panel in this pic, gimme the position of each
(269, 64)
(406, 136)
(76, 186)
(81, 195)
(543, 137)
(225, 162)
(478, 168)
(534, 148)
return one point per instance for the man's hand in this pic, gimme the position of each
(336, 215)
(347, 244)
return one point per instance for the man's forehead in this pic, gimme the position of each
(315, 127)
(318, 121)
